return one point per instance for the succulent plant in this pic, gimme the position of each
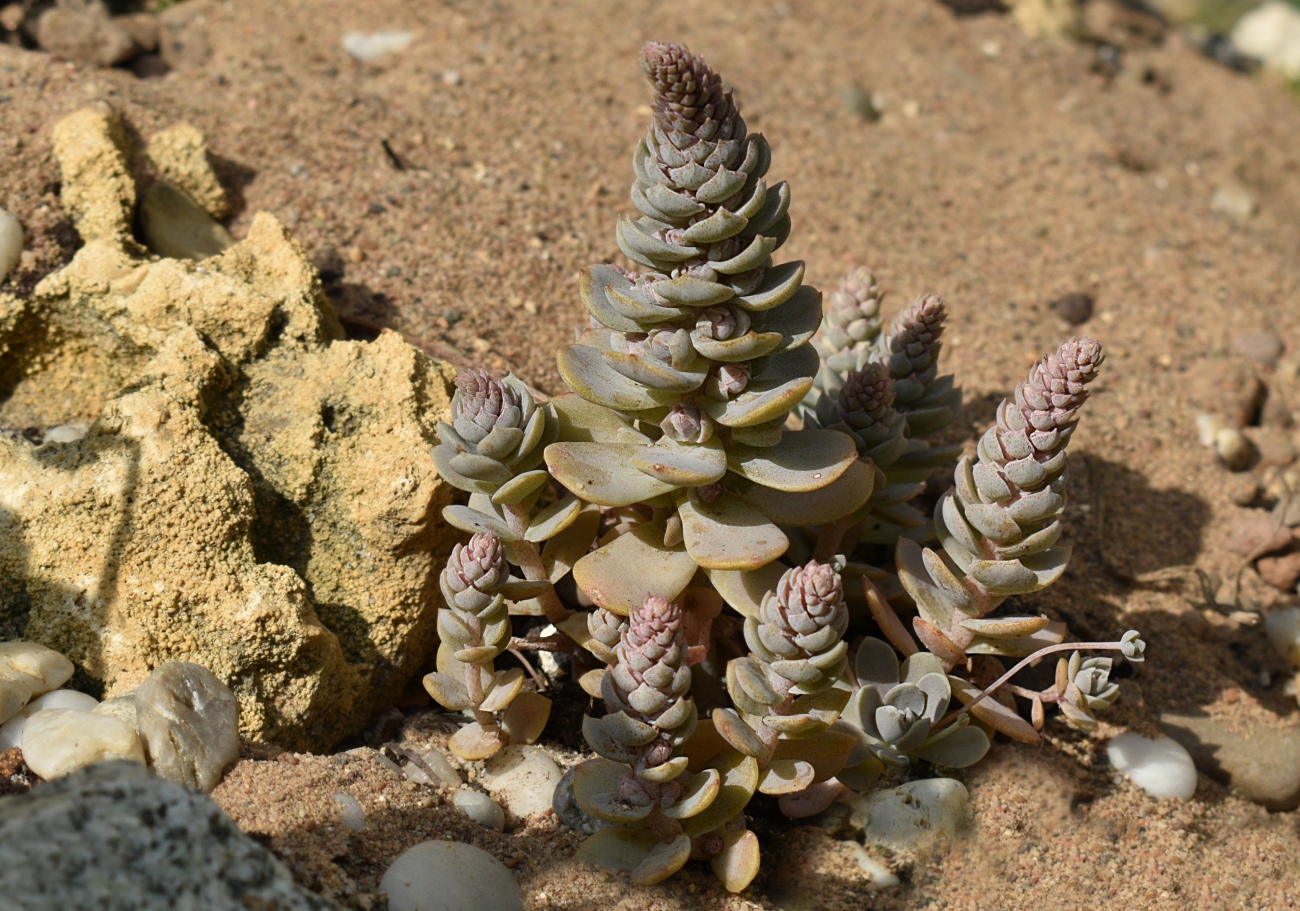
(694, 361)
(999, 525)
(911, 352)
(474, 628)
(713, 453)
(1083, 688)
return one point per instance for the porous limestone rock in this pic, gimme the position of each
(254, 494)
(115, 838)
(189, 722)
(180, 154)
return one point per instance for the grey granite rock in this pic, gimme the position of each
(115, 838)
(189, 721)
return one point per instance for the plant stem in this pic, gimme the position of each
(828, 540)
(1021, 665)
(529, 559)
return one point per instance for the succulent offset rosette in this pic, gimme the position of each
(999, 524)
(895, 712)
(694, 361)
(474, 628)
(642, 786)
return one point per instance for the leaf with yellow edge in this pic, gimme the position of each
(737, 864)
(744, 589)
(638, 851)
(827, 751)
(785, 776)
(620, 575)
(728, 534)
(474, 742)
(739, 775)
(525, 718)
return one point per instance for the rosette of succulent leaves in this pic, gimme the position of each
(725, 485)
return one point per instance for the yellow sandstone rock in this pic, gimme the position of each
(254, 493)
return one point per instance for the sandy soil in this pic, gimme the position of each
(1003, 174)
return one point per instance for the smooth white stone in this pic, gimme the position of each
(1271, 34)
(45, 666)
(59, 741)
(881, 878)
(1161, 767)
(65, 433)
(371, 46)
(1283, 629)
(15, 692)
(11, 732)
(480, 808)
(11, 243)
(523, 778)
(906, 816)
(438, 763)
(352, 815)
(449, 876)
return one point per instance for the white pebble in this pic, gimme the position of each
(59, 741)
(11, 243)
(444, 772)
(65, 433)
(1283, 629)
(449, 876)
(45, 666)
(352, 815)
(906, 816)
(371, 46)
(480, 808)
(523, 778)
(881, 878)
(11, 732)
(1161, 767)
(1271, 34)
(15, 691)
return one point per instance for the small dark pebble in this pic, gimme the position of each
(1075, 308)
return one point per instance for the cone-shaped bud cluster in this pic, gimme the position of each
(798, 632)
(476, 623)
(896, 709)
(651, 675)
(1000, 522)
(708, 339)
(864, 409)
(497, 431)
(852, 323)
(911, 352)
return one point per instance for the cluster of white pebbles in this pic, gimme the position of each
(182, 721)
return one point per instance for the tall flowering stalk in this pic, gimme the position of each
(1000, 523)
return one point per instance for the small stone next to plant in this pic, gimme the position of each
(736, 486)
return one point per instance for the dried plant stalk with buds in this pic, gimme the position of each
(725, 485)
